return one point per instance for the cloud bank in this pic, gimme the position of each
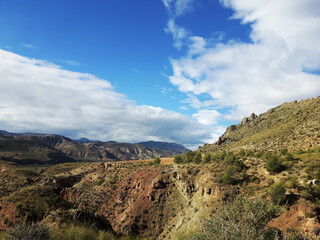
(40, 96)
(278, 65)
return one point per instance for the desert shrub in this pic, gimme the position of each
(273, 164)
(243, 218)
(178, 159)
(277, 193)
(113, 179)
(283, 151)
(313, 170)
(258, 154)
(242, 153)
(197, 158)
(289, 157)
(207, 158)
(292, 182)
(220, 156)
(157, 161)
(249, 153)
(35, 231)
(299, 151)
(80, 233)
(230, 158)
(100, 181)
(292, 234)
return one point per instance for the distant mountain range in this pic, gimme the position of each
(34, 148)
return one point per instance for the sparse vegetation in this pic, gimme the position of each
(35, 231)
(243, 218)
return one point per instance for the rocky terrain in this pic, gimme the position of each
(52, 149)
(294, 125)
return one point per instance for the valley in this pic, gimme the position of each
(274, 157)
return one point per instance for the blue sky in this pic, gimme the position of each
(192, 67)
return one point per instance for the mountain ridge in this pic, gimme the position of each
(49, 148)
(292, 125)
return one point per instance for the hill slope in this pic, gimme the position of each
(165, 146)
(294, 125)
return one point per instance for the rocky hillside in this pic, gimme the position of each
(40, 148)
(294, 125)
(178, 148)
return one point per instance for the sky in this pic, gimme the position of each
(163, 70)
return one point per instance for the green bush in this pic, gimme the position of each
(249, 153)
(258, 154)
(242, 219)
(242, 153)
(300, 151)
(289, 157)
(273, 164)
(207, 158)
(100, 181)
(277, 193)
(197, 158)
(157, 161)
(230, 158)
(283, 151)
(229, 175)
(178, 159)
(188, 156)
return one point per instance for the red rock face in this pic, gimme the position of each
(131, 207)
(297, 218)
(70, 194)
(8, 215)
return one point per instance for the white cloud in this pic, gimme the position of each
(42, 97)
(73, 63)
(197, 45)
(178, 7)
(207, 117)
(253, 77)
(28, 45)
(184, 108)
(179, 34)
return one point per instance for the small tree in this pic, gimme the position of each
(188, 156)
(228, 177)
(207, 158)
(197, 158)
(178, 159)
(157, 161)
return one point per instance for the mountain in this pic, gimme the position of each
(165, 146)
(294, 125)
(85, 140)
(29, 148)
